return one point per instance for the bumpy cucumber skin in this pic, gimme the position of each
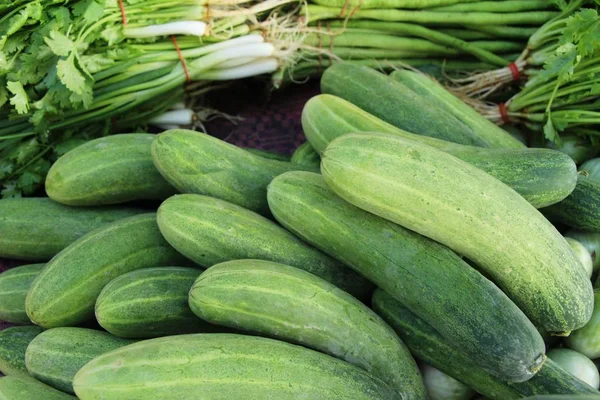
(289, 304)
(577, 364)
(426, 344)
(223, 367)
(210, 231)
(271, 155)
(14, 285)
(108, 170)
(27, 388)
(36, 229)
(581, 209)
(55, 356)
(306, 155)
(587, 339)
(416, 269)
(13, 343)
(65, 292)
(456, 204)
(563, 397)
(582, 254)
(150, 302)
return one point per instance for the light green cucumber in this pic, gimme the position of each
(210, 231)
(587, 339)
(14, 285)
(150, 302)
(289, 304)
(581, 209)
(13, 343)
(65, 292)
(36, 229)
(306, 155)
(27, 388)
(441, 197)
(271, 155)
(582, 254)
(591, 241)
(577, 364)
(444, 387)
(591, 168)
(416, 270)
(224, 366)
(194, 162)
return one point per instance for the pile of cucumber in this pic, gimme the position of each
(404, 252)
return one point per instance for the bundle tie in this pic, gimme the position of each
(182, 59)
(345, 8)
(123, 15)
(504, 113)
(515, 71)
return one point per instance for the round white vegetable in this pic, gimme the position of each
(582, 254)
(577, 364)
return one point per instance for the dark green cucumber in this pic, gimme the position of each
(55, 356)
(428, 345)
(27, 388)
(306, 155)
(36, 229)
(210, 231)
(563, 397)
(416, 270)
(13, 343)
(577, 364)
(150, 302)
(14, 285)
(289, 304)
(581, 209)
(271, 155)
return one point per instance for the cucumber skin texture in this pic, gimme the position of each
(13, 343)
(271, 155)
(583, 255)
(306, 155)
(395, 103)
(14, 285)
(186, 364)
(416, 269)
(542, 176)
(426, 344)
(194, 162)
(30, 228)
(444, 387)
(471, 212)
(561, 397)
(581, 210)
(591, 241)
(27, 388)
(292, 305)
(149, 302)
(210, 231)
(577, 364)
(65, 292)
(55, 356)
(587, 339)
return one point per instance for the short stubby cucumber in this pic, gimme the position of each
(587, 339)
(581, 209)
(14, 285)
(441, 197)
(109, 170)
(194, 162)
(65, 292)
(55, 356)
(306, 155)
(210, 231)
(416, 270)
(150, 302)
(36, 229)
(27, 388)
(427, 345)
(224, 366)
(13, 343)
(287, 303)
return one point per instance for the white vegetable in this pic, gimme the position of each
(193, 28)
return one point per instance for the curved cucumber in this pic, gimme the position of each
(271, 155)
(210, 231)
(592, 168)
(444, 387)
(441, 197)
(27, 388)
(14, 285)
(587, 339)
(293, 305)
(224, 366)
(13, 343)
(65, 292)
(591, 241)
(577, 364)
(410, 266)
(306, 155)
(582, 254)
(581, 209)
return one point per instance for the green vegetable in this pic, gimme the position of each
(591, 241)
(26, 388)
(562, 397)
(591, 168)
(306, 155)
(13, 343)
(576, 147)
(271, 155)
(587, 339)
(577, 364)
(581, 209)
(443, 387)
(582, 254)
(14, 285)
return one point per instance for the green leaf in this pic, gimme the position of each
(19, 99)
(62, 17)
(70, 76)
(112, 34)
(89, 10)
(3, 92)
(95, 62)
(550, 131)
(59, 44)
(11, 190)
(561, 64)
(583, 29)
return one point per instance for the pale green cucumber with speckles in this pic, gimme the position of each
(582, 254)
(55, 356)
(109, 170)
(415, 269)
(587, 339)
(27, 388)
(210, 231)
(306, 155)
(591, 241)
(65, 292)
(446, 199)
(271, 155)
(194, 162)
(150, 302)
(289, 304)
(13, 343)
(14, 285)
(224, 366)
(36, 229)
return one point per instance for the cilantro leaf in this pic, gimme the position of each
(59, 44)
(583, 29)
(550, 131)
(19, 100)
(70, 76)
(89, 10)
(561, 64)
(11, 190)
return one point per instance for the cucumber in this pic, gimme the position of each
(591, 241)
(443, 387)
(410, 266)
(36, 229)
(577, 364)
(583, 255)
(577, 147)
(441, 197)
(306, 155)
(581, 210)
(13, 343)
(149, 302)
(210, 231)
(14, 285)
(194, 162)
(425, 86)
(65, 292)
(55, 356)
(26, 388)
(427, 345)
(542, 176)
(562, 397)
(289, 304)
(224, 366)
(591, 168)
(271, 155)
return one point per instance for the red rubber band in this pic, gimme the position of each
(515, 71)
(504, 112)
(185, 70)
(123, 15)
